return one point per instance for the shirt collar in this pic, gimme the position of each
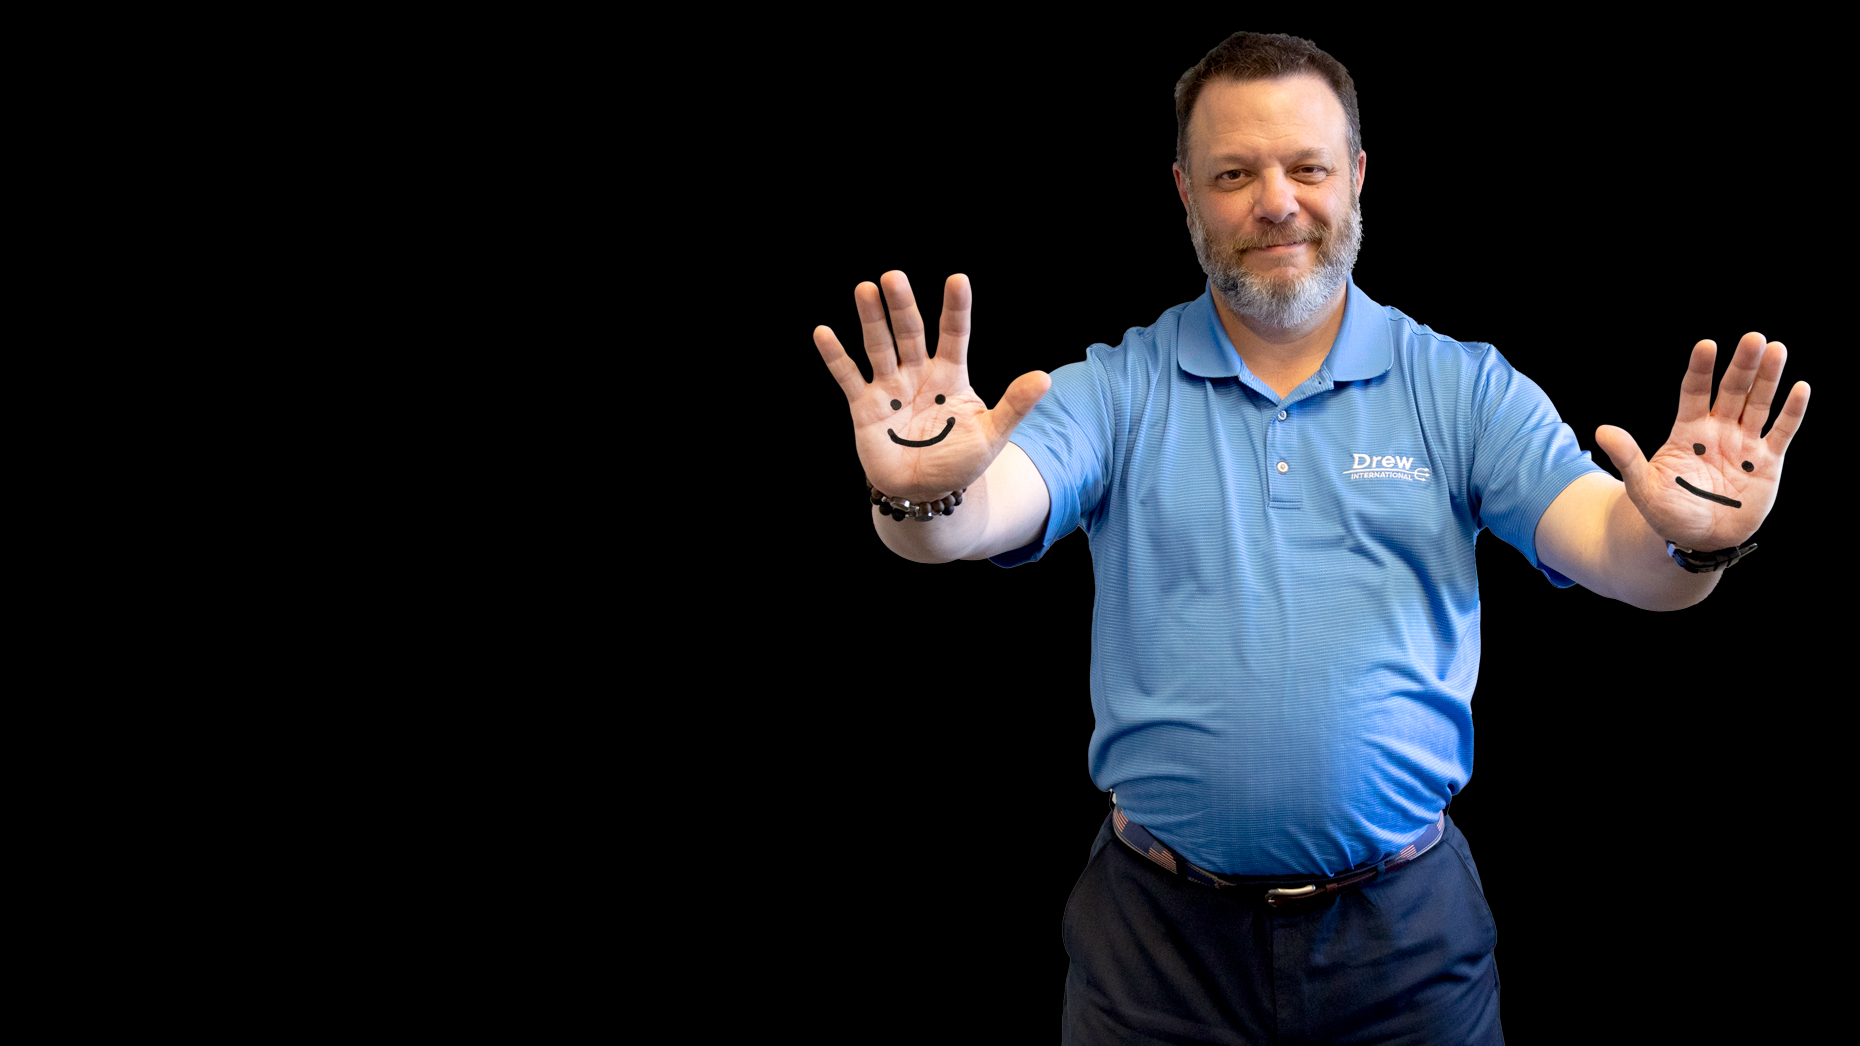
(1363, 348)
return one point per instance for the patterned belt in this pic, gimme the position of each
(1139, 839)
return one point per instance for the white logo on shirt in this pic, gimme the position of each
(1385, 466)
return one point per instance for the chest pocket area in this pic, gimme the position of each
(1390, 504)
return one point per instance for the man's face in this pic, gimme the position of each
(1272, 196)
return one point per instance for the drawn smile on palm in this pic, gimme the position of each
(932, 441)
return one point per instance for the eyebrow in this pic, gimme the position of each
(1320, 153)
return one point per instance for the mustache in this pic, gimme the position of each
(1315, 235)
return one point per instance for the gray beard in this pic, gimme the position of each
(1276, 303)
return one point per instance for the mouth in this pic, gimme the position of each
(1706, 494)
(938, 438)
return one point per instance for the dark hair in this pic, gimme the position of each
(1264, 56)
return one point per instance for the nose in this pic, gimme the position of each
(1276, 201)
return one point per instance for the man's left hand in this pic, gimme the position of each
(1715, 449)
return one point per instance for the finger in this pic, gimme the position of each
(1795, 408)
(1739, 379)
(845, 371)
(1019, 398)
(877, 335)
(1695, 387)
(906, 322)
(1769, 376)
(952, 338)
(1625, 453)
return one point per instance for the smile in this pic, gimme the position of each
(938, 438)
(1681, 480)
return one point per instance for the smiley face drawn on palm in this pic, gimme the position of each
(921, 431)
(933, 440)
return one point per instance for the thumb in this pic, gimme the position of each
(1017, 401)
(1625, 453)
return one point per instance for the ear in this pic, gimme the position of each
(1362, 169)
(1181, 184)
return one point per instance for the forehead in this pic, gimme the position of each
(1294, 114)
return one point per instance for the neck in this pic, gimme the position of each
(1283, 357)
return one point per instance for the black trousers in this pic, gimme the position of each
(1156, 959)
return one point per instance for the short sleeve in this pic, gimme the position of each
(1523, 457)
(1068, 437)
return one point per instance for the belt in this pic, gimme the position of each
(1139, 839)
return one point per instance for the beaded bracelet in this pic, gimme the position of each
(902, 509)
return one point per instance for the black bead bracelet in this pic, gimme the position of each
(902, 509)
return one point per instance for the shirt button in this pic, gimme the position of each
(1284, 468)
(1281, 415)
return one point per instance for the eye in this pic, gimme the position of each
(895, 404)
(939, 398)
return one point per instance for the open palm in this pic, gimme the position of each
(1712, 483)
(921, 431)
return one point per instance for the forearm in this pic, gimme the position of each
(1642, 572)
(1004, 510)
(1595, 535)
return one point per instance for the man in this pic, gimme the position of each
(1283, 482)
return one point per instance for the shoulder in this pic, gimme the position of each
(1417, 342)
(1439, 364)
(1136, 362)
(1453, 383)
(1145, 345)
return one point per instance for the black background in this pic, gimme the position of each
(1645, 806)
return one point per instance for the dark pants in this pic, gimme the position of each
(1158, 959)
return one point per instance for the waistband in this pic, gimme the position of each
(1139, 839)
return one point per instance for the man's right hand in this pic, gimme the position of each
(922, 432)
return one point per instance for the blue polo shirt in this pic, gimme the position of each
(1286, 632)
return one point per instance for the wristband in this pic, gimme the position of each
(1706, 562)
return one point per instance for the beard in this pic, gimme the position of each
(1271, 301)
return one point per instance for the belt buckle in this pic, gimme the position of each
(1280, 896)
